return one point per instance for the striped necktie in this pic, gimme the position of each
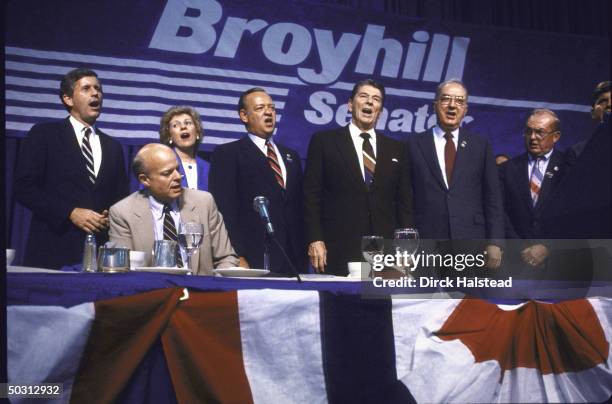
(170, 233)
(273, 161)
(535, 180)
(88, 154)
(369, 159)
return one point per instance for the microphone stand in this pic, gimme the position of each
(270, 237)
(260, 204)
(295, 272)
(266, 257)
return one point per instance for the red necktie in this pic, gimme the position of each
(369, 158)
(273, 161)
(450, 152)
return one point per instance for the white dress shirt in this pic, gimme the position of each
(261, 145)
(157, 209)
(191, 174)
(440, 142)
(358, 143)
(94, 141)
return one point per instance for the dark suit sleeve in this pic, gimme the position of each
(313, 190)
(404, 192)
(122, 188)
(509, 230)
(493, 204)
(299, 179)
(32, 168)
(223, 185)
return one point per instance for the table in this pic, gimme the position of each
(130, 338)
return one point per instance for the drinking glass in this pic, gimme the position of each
(371, 246)
(406, 241)
(164, 253)
(113, 259)
(190, 236)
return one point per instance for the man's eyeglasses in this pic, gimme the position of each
(179, 124)
(460, 101)
(539, 133)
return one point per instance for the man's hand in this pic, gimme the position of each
(318, 255)
(89, 220)
(243, 262)
(535, 255)
(494, 256)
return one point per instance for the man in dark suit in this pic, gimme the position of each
(454, 178)
(600, 109)
(356, 183)
(581, 206)
(257, 165)
(69, 174)
(529, 180)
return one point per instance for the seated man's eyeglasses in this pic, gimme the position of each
(446, 100)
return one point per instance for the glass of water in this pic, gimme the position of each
(371, 246)
(406, 243)
(190, 236)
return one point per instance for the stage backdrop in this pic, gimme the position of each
(151, 55)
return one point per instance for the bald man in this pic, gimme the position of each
(138, 220)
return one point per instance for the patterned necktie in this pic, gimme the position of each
(88, 154)
(450, 152)
(369, 159)
(170, 233)
(535, 180)
(273, 161)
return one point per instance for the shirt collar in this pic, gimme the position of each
(439, 132)
(544, 157)
(158, 208)
(259, 141)
(355, 131)
(79, 126)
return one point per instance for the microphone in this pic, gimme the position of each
(260, 204)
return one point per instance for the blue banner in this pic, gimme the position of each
(151, 55)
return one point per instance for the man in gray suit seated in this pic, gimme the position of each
(139, 219)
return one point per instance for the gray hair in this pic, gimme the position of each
(450, 81)
(545, 111)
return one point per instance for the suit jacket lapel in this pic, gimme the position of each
(428, 148)
(257, 160)
(346, 149)
(104, 146)
(521, 177)
(72, 145)
(551, 176)
(290, 167)
(189, 213)
(383, 163)
(144, 220)
(462, 158)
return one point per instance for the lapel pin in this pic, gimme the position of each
(549, 174)
(556, 168)
(463, 143)
(288, 158)
(394, 160)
